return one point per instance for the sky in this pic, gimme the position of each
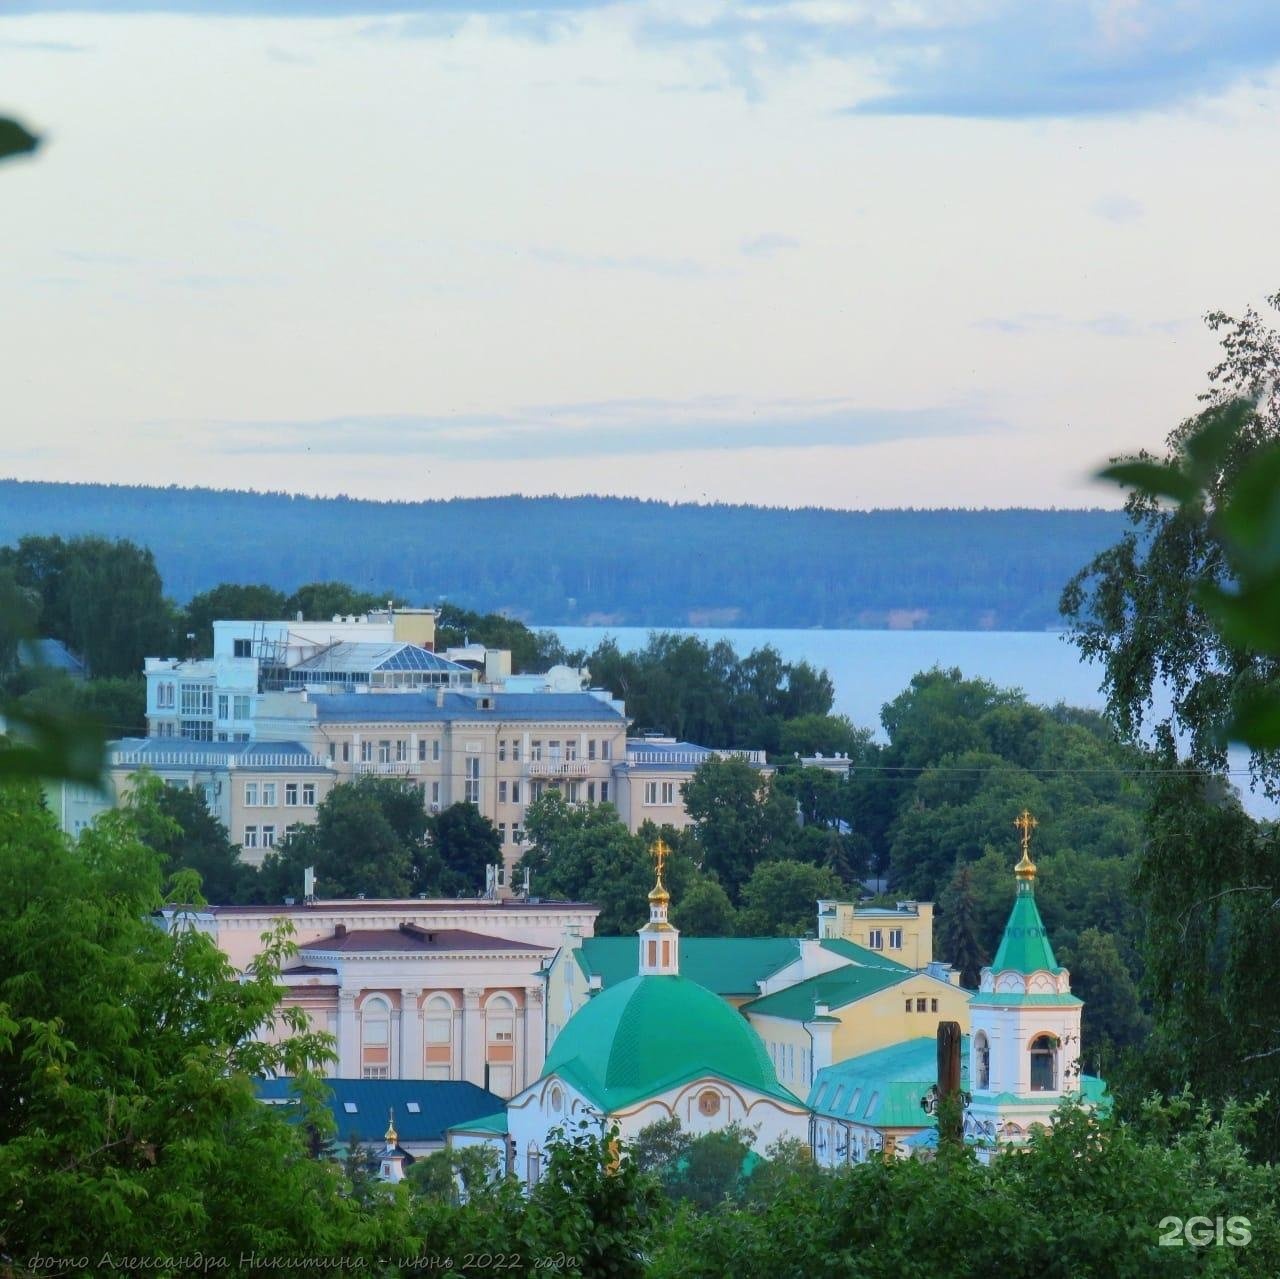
(893, 253)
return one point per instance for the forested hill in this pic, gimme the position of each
(594, 560)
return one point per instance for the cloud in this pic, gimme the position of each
(1107, 324)
(1117, 208)
(1001, 59)
(671, 267)
(766, 245)
(597, 429)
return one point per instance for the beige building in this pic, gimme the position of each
(650, 777)
(499, 751)
(438, 990)
(256, 789)
(903, 932)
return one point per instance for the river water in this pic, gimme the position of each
(869, 668)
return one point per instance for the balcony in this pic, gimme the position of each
(387, 768)
(558, 768)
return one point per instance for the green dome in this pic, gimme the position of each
(649, 1034)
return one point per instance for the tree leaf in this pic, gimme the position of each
(1154, 478)
(1257, 725)
(15, 140)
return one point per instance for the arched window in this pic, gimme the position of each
(500, 1044)
(375, 1038)
(982, 1060)
(1044, 1064)
(437, 1028)
(535, 1165)
(556, 1100)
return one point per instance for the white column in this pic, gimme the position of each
(348, 1036)
(535, 1035)
(411, 1059)
(472, 1037)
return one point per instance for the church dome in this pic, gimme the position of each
(648, 1034)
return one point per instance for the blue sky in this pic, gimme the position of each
(856, 254)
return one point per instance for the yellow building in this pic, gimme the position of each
(868, 1003)
(903, 933)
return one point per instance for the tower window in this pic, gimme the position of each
(1044, 1064)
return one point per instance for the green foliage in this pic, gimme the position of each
(465, 842)
(318, 601)
(780, 899)
(453, 1176)
(705, 910)
(109, 708)
(530, 651)
(961, 945)
(229, 602)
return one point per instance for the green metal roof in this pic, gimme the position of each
(1025, 947)
(725, 965)
(836, 989)
(1015, 1000)
(648, 1034)
(859, 954)
(884, 1088)
(486, 1123)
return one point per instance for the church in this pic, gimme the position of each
(655, 1047)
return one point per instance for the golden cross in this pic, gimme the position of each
(1026, 824)
(660, 854)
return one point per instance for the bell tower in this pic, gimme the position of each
(659, 941)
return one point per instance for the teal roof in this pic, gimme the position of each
(1025, 947)
(1016, 1000)
(884, 1088)
(859, 954)
(648, 1034)
(725, 965)
(836, 989)
(496, 1124)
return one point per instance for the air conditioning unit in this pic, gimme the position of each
(435, 808)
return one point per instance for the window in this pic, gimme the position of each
(309, 794)
(571, 750)
(502, 750)
(651, 792)
(515, 792)
(268, 794)
(604, 792)
(346, 752)
(668, 792)
(435, 750)
(242, 648)
(791, 1061)
(224, 704)
(536, 791)
(515, 750)
(982, 1051)
(517, 835)
(333, 751)
(268, 837)
(875, 939)
(591, 748)
(197, 699)
(895, 939)
(572, 792)
(402, 750)
(250, 837)
(908, 1005)
(435, 793)
(375, 1039)
(197, 730)
(422, 750)
(164, 696)
(291, 794)
(535, 1166)
(1044, 1064)
(438, 1037)
(251, 794)
(366, 752)
(502, 792)
(384, 751)
(920, 1005)
(535, 749)
(553, 752)
(933, 1005)
(591, 792)
(240, 706)
(471, 791)
(606, 749)
(502, 832)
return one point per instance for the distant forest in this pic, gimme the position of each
(600, 560)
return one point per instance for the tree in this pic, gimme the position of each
(738, 818)
(712, 1168)
(114, 707)
(319, 601)
(466, 842)
(781, 898)
(176, 823)
(1113, 1018)
(823, 735)
(704, 910)
(128, 1121)
(229, 602)
(364, 840)
(961, 947)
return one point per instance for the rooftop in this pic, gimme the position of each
(885, 1087)
(423, 1108)
(415, 938)
(177, 752)
(506, 708)
(836, 989)
(368, 657)
(724, 965)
